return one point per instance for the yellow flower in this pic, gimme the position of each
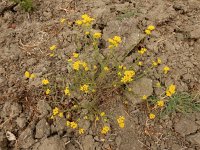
(120, 121)
(27, 74)
(45, 81)
(117, 39)
(142, 51)
(68, 123)
(120, 66)
(52, 117)
(151, 27)
(102, 114)
(55, 111)
(166, 69)
(87, 33)
(84, 88)
(61, 115)
(105, 130)
(171, 90)
(106, 69)
(140, 63)
(148, 32)
(52, 54)
(114, 42)
(160, 103)
(79, 22)
(144, 97)
(62, 20)
(73, 125)
(75, 55)
(87, 20)
(152, 116)
(128, 76)
(97, 35)
(154, 63)
(53, 47)
(48, 91)
(81, 131)
(76, 65)
(32, 76)
(159, 61)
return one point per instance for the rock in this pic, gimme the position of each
(25, 139)
(194, 139)
(139, 88)
(11, 109)
(3, 141)
(52, 143)
(88, 143)
(21, 121)
(43, 108)
(185, 127)
(42, 129)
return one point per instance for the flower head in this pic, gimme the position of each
(140, 63)
(160, 103)
(55, 111)
(166, 69)
(106, 69)
(128, 76)
(105, 129)
(45, 81)
(79, 22)
(144, 97)
(97, 35)
(73, 125)
(159, 61)
(53, 47)
(62, 20)
(67, 91)
(152, 116)
(27, 74)
(148, 32)
(151, 27)
(81, 131)
(75, 55)
(48, 91)
(114, 42)
(102, 114)
(61, 115)
(120, 121)
(84, 88)
(171, 90)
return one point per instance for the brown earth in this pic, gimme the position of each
(24, 42)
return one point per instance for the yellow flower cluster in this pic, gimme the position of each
(114, 42)
(84, 88)
(48, 91)
(171, 90)
(166, 69)
(142, 51)
(149, 29)
(128, 76)
(56, 111)
(72, 124)
(53, 47)
(105, 129)
(75, 55)
(77, 64)
(106, 69)
(29, 75)
(45, 81)
(97, 35)
(67, 91)
(120, 121)
(81, 131)
(85, 21)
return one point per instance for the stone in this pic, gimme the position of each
(88, 143)
(139, 88)
(11, 109)
(42, 129)
(25, 139)
(52, 143)
(43, 108)
(21, 121)
(3, 141)
(194, 139)
(185, 127)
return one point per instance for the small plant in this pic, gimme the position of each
(27, 5)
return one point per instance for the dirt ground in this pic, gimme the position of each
(24, 42)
